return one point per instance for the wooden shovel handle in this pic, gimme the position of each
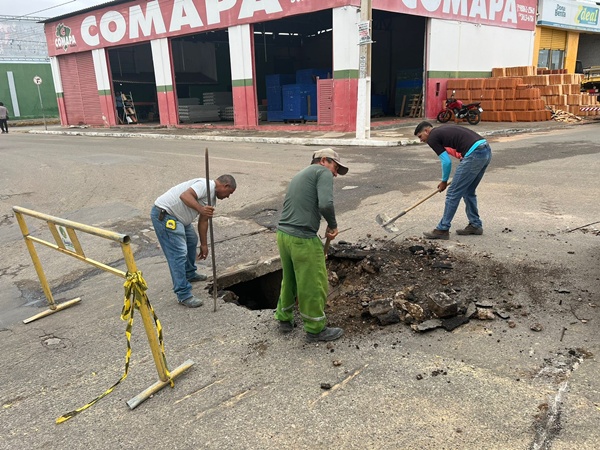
(326, 246)
(393, 219)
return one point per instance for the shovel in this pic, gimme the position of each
(388, 223)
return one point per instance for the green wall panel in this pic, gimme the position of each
(454, 74)
(27, 91)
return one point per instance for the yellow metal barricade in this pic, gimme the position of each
(67, 242)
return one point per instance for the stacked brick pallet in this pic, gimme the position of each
(563, 92)
(519, 94)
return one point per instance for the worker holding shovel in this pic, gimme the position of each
(309, 197)
(475, 155)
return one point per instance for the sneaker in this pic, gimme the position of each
(470, 229)
(437, 234)
(286, 327)
(197, 277)
(192, 302)
(327, 334)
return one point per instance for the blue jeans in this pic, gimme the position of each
(179, 246)
(466, 179)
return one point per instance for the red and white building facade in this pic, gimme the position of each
(463, 38)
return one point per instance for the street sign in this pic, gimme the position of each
(38, 80)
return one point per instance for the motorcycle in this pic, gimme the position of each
(471, 112)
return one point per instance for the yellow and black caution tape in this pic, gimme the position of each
(135, 293)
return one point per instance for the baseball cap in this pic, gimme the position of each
(330, 153)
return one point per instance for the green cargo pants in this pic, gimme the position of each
(305, 278)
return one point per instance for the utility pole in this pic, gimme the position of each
(363, 110)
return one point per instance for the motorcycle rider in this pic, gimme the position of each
(476, 155)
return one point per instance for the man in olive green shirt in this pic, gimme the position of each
(309, 197)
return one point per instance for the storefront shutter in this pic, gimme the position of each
(82, 102)
(553, 39)
(325, 101)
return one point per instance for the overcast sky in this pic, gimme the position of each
(45, 8)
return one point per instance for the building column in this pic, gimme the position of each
(58, 88)
(571, 51)
(241, 52)
(163, 71)
(107, 99)
(345, 66)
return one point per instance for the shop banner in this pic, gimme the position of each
(570, 15)
(143, 20)
(519, 14)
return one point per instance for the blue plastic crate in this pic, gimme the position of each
(309, 76)
(409, 84)
(379, 103)
(299, 101)
(274, 99)
(274, 116)
(278, 79)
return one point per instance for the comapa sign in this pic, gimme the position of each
(137, 21)
(143, 20)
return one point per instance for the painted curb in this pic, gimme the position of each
(251, 139)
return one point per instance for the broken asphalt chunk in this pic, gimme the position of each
(502, 314)
(484, 304)
(428, 325)
(442, 305)
(384, 311)
(454, 322)
(471, 310)
(381, 306)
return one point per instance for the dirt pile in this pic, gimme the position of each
(422, 285)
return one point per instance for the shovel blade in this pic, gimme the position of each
(382, 219)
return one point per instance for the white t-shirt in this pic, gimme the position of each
(171, 202)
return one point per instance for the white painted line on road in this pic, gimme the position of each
(212, 157)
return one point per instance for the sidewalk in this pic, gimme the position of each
(389, 133)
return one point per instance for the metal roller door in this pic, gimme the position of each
(553, 39)
(82, 102)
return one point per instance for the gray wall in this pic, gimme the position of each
(588, 51)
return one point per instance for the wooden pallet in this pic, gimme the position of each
(416, 105)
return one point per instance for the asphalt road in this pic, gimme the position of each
(250, 388)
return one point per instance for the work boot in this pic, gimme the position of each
(197, 277)
(470, 229)
(437, 234)
(192, 302)
(286, 327)
(327, 334)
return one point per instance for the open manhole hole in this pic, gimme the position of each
(254, 285)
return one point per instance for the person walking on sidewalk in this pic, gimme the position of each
(172, 216)
(475, 155)
(309, 196)
(3, 118)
